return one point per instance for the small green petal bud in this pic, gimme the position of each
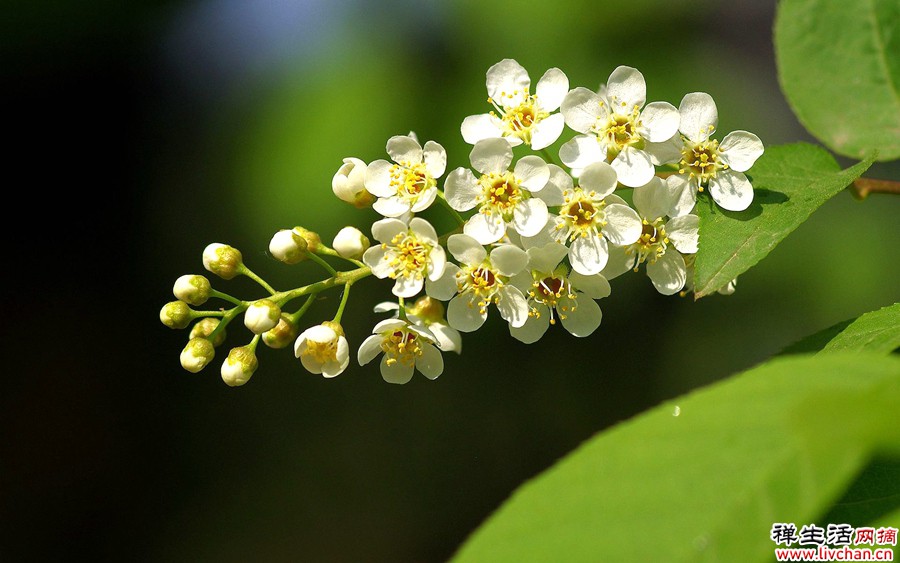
(239, 366)
(192, 289)
(175, 314)
(204, 327)
(349, 183)
(313, 240)
(261, 316)
(287, 246)
(283, 335)
(197, 354)
(428, 309)
(350, 243)
(222, 260)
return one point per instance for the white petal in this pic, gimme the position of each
(477, 127)
(462, 189)
(386, 307)
(534, 327)
(560, 181)
(546, 258)
(699, 116)
(491, 155)
(390, 206)
(619, 262)
(389, 325)
(588, 255)
(653, 201)
(512, 306)
(423, 230)
(449, 339)
(613, 198)
(740, 149)
(430, 363)
(375, 258)
(444, 287)
(404, 150)
(532, 173)
(342, 359)
(396, 372)
(633, 167)
(463, 313)
(378, 179)
(682, 231)
(407, 286)
(582, 317)
(623, 224)
(310, 364)
(661, 120)
(507, 82)
(547, 235)
(530, 217)
(424, 200)
(547, 131)
(466, 249)
(551, 89)
(731, 190)
(437, 263)
(682, 194)
(668, 273)
(626, 89)
(386, 229)
(435, 159)
(582, 150)
(581, 109)
(599, 177)
(667, 152)
(508, 260)
(370, 348)
(595, 287)
(486, 229)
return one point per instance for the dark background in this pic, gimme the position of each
(139, 132)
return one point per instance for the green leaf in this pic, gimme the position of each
(790, 182)
(839, 68)
(704, 477)
(878, 332)
(873, 494)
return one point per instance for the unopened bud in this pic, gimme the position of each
(192, 289)
(312, 238)
(350, 243)
(204, 327)
(261, 316)
(282, 335)
(349, 183)
(428, 309)
(239, 366)
(197, 354)
(175, 314)
(288, 246)
(222, 260)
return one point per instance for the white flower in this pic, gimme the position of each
(555, 291)
(350, 243)
(411, 183)
(710, 164)
(428, 312)
(482, 280)
(662, 245)
(502, 197)
(239, 366)
(406, 347)
(520, 117)
(407, 254)
(591, 215)
(349, 183)
(615, 129)
(323, 349)
(261, 315)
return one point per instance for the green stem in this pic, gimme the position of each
(249, 273)
(344, 298)
(402, 309)
(548, 157)
(862, 187)
(253, 343)
(325, 251)
(443, 199)
(341, 278)
(225, 296)
(302, 310)
(323, 263)
(201, 314)
(226, 318)
(443, 238)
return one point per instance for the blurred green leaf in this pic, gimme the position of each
(704, 477)
(878, 331)
(790, 182)
(839, 67)
(873, 494)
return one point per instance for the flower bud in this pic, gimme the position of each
(313, 240)
(239, 366)
(204, 327)
(350, 243)
(175, 314)
(282, 335)
(429, 309)
(288, 246)
(261, 315)
(222, 260)
(196, 354)
(192, 289)
(349, 183)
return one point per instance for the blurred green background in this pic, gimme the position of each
(143, 131)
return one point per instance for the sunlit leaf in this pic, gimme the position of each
(878, 331)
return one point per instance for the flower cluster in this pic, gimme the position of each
(538, 238)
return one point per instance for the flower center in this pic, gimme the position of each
(501, 193)
(408, 256)
(480, 280)
(701, 160)
(581, 214)
(401, 346)
(321, 352)
(549, 291)
(411, 180)
(652, 243)
(620, 130)
(520, 119)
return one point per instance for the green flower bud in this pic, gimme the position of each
(313, 240)
(287, 246)
(222, 260)
(197, 354)
(282, 335)
(428, 309)
(176, 314)
(350, 243)
(239, 366)
(204, 327)
(192, 289)
(349, 183)
(261, 316)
